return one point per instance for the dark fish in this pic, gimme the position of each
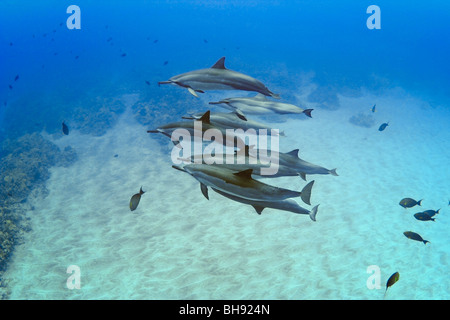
(65, 129)
(155, 41)
(383, 126)
(116, 155)
(60, 24)
(205, 41)
(392, 279)
(109, 39)
(135, 200)
(16, 78)
(422, 216)
(431, 213)
(409, 203)
(123, 55)
(166, 62)
(10, 44)
(148, 83)
(414, 236)
(373, 108)
(76, 57)
(10, 86)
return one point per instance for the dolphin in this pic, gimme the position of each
(240, 184)
(286, 205)
(291, 159)
(259, 104)
(232, 120)
(169, 128)
(218, 78)
(240, 162)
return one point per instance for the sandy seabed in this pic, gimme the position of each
(178, 245)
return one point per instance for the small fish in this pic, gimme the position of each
(409, 203)
(148, 83)
(76, 57)
(414, 236)
(205, 41)
(392, 279)
(10, 86)
(16, 78)
(65, 129)
(422, 216)
(116, 155)
(383, 126)
(431, 213)
(10, 44)
(373, 108)
(166, 62)
(123, 55)
(135, 200)
(155, 41)
(109, 39)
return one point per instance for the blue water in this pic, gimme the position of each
(121, 45)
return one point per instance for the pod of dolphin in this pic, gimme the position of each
(236, 181)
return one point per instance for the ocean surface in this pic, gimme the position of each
(66, 228)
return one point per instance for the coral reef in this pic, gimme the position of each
(99, 115)
(363, 120)
(25, 164)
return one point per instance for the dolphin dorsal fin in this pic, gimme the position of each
(220, 64)
(244, 174)
(260, 96)
(293, 153)
(205, 117)
(258, 209)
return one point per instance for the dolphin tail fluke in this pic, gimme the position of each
(333, 172)
(308, 112)
(306, 193)
(313, 212)
(302, 175)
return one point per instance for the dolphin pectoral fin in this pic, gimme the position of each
(306, 193)
(313, 212)
(308, 112)
(302, 175)
(192, 91)
(204, 189)
(220, 64)
(217, 102)
(258, 209)
(152, 131)
(164, 82)
(240, 114)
